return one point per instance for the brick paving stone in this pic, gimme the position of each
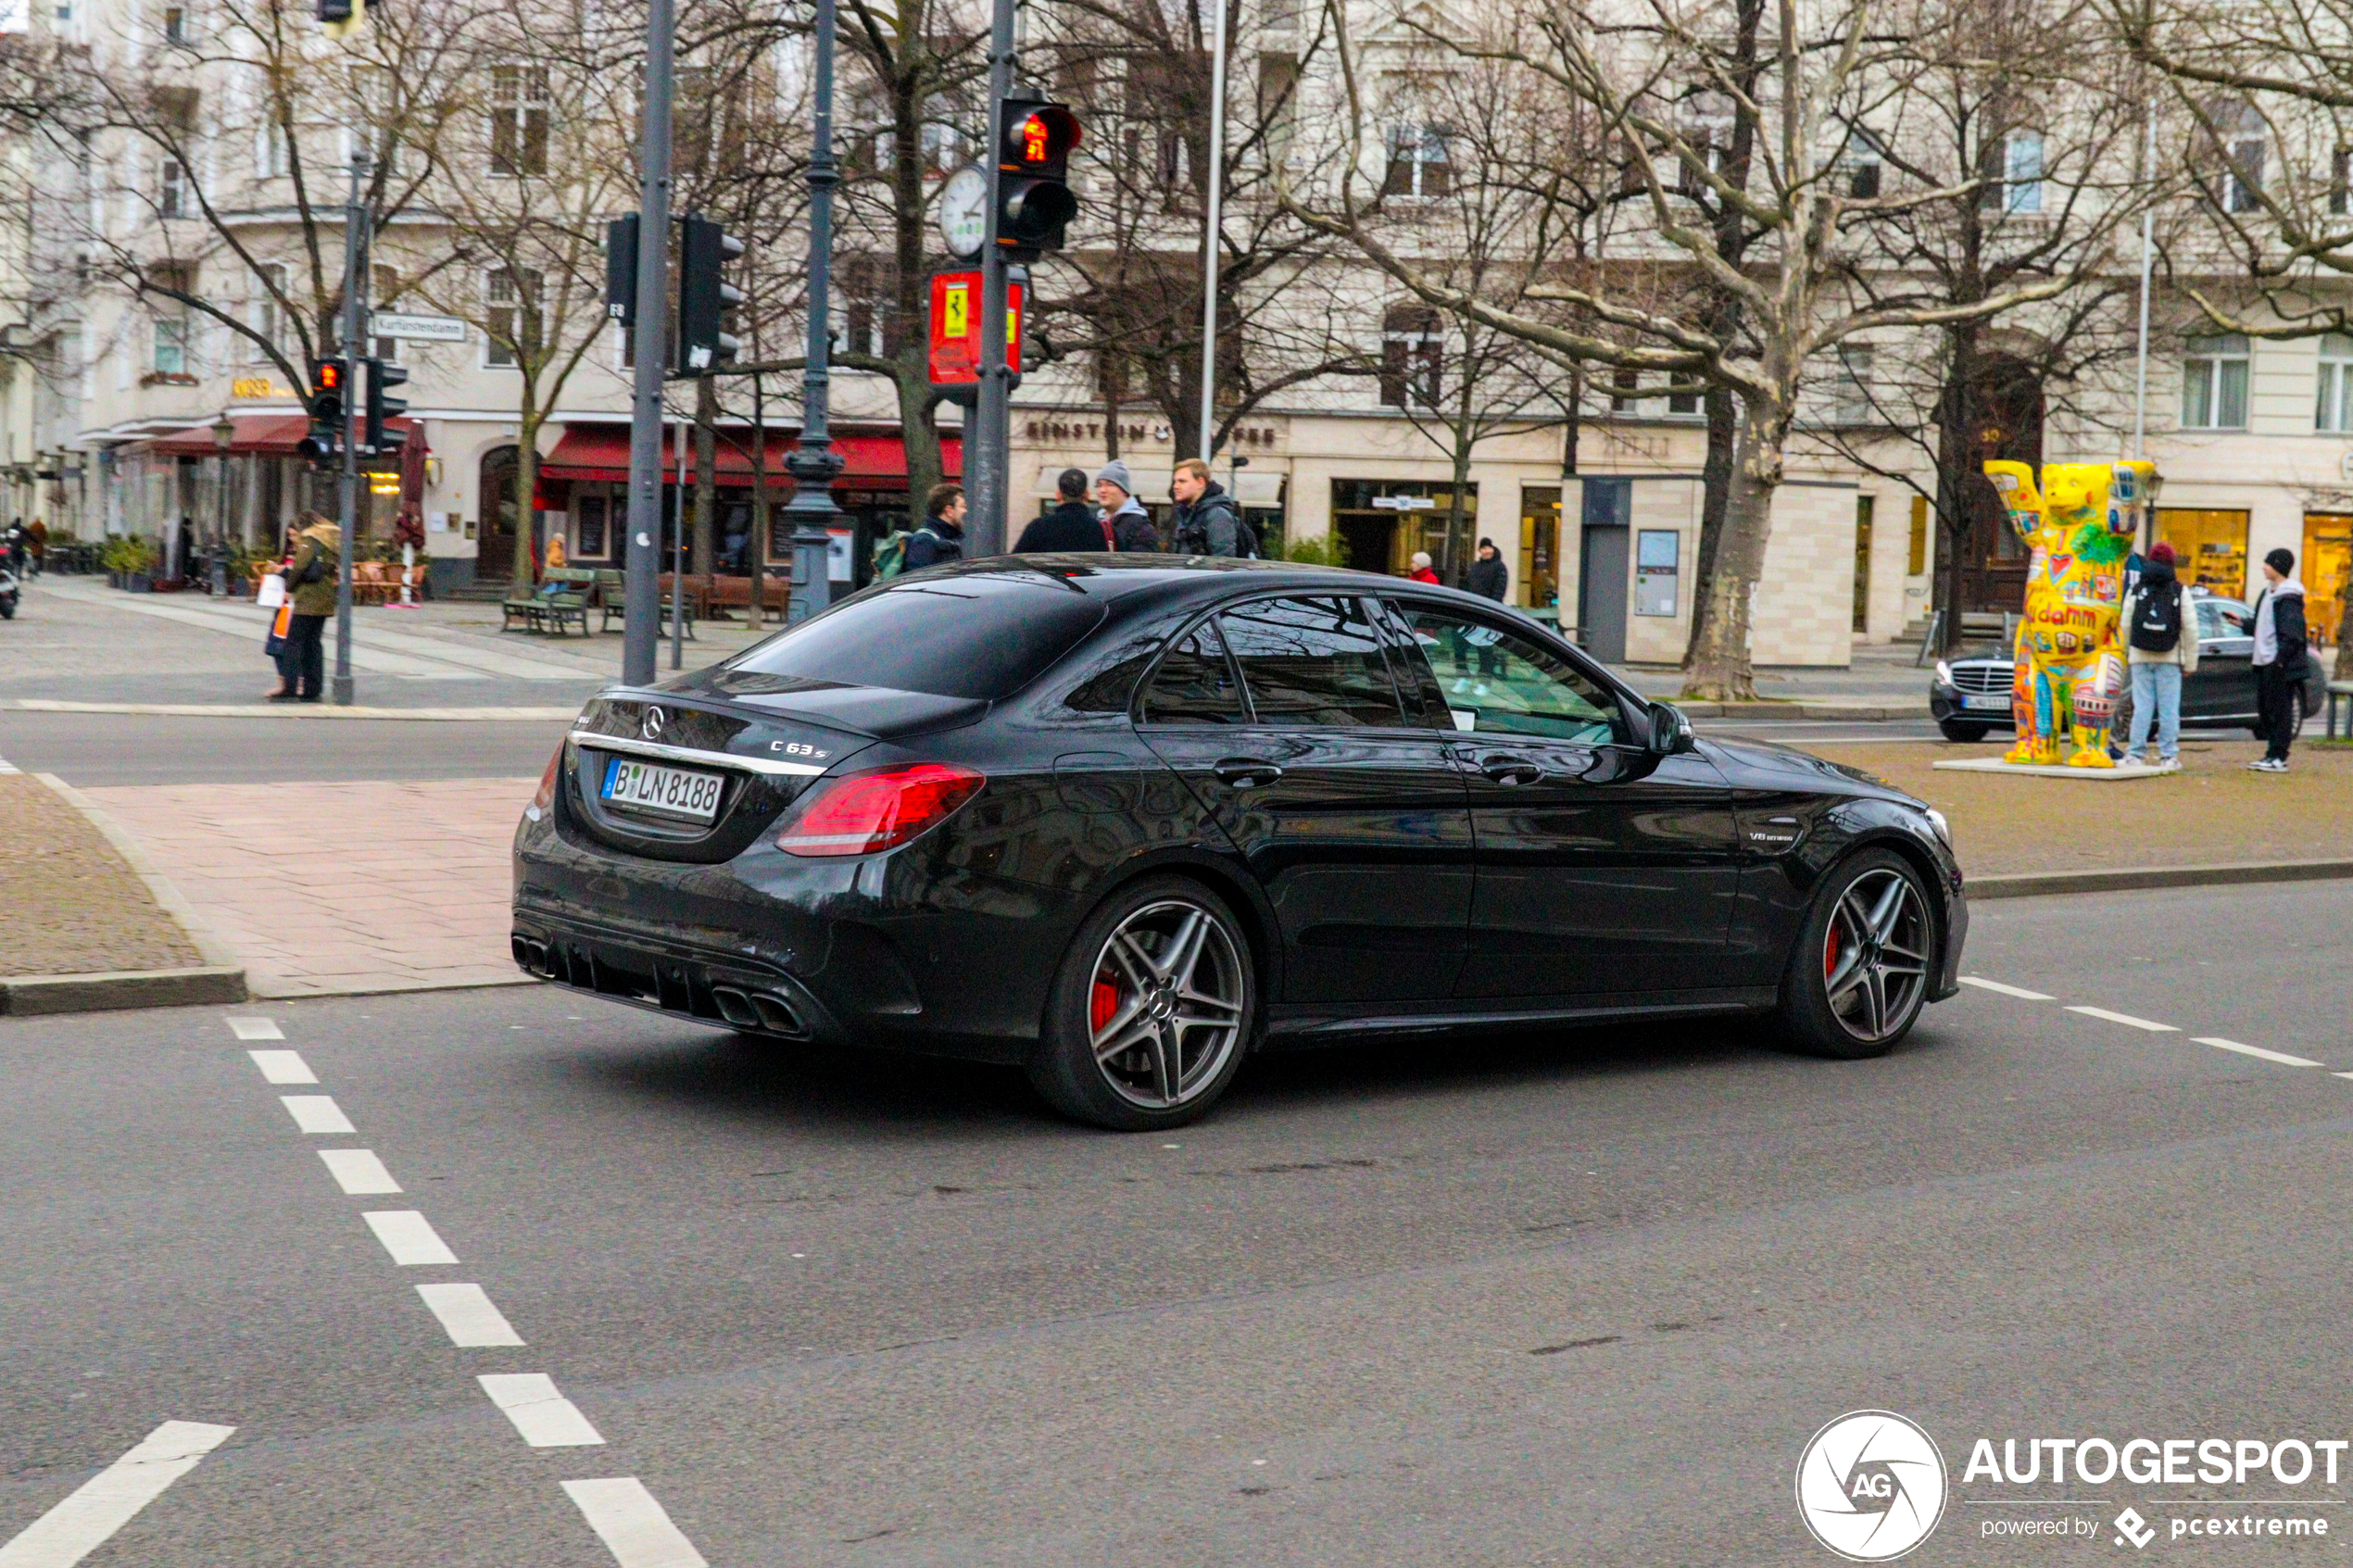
(342, 886)
(73, 904)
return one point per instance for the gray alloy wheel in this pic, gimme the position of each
(1859, 974)
(1875, 956)
(1152, 1010)
(1166, 1004)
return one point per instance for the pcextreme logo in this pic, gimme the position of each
(1870, 1486)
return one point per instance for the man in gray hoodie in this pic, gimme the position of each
(1131, 526)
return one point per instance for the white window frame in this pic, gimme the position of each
(1426, 149)
(521, 107)
(2022, 171)
(2242, 168)
(1423, 380)
(2215, 371)
(1851, 400)
(268, 317)
(2332, 402)
(496, 356)
(1860, 161)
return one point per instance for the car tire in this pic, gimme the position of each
(1956, 729)
(1837, 1000)
(1162, 964)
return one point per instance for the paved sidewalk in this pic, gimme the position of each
(340, 888)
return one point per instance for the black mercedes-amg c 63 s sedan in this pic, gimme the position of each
(1124, 820)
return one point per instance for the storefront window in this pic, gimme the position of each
(2328, 560)
(2212, 547)
(588, 527)
(1539, 534)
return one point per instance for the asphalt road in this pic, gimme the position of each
(1578, 1298)
(98, 749)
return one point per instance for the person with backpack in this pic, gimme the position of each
(941, 538)
(1207, 522)
(1071, 526)
(2279, 659)
(2160, 637)
(310, 582)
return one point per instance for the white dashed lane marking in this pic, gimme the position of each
(256, 1029)
(112, 1498)
(359, 1172)
(1998, 986)
(283, 1067)
(407, 1237)
(2127, 1020)
(632, 1525)
(317, 1113)
(472, 1320)
(545, 1417)
(2280, 1057)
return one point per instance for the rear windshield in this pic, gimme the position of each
(968, 636)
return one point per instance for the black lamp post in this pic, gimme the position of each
(224, 431)
(813, 462)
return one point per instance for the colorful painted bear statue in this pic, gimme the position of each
(2081, 527)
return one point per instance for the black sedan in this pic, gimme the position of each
(1123, 822)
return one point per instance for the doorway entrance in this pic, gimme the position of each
(2006, 399)
(1601, 568)
(494, 541)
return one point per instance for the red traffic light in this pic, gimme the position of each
(327, 376)
(1039, 138)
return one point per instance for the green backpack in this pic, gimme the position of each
(890, 556)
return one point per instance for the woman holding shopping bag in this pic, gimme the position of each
(274, 596)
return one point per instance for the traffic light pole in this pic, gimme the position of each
(990, 432)
(642, 564)
(355, 269)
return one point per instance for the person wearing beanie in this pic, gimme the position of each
(1422, 572)
(2279, 659)
(2160, 637)
(1489, 577)
(1071, 526)
(1131, 526)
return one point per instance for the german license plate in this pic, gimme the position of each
(1986, 702)
(667, 792)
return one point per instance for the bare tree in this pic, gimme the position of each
(1823, 69)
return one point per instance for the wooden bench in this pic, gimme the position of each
(735, 593)
(613, 594)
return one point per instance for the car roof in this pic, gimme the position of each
(1138, 580)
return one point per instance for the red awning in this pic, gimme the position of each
(264, 435)
(601, 452)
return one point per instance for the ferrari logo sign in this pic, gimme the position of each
(955, 327)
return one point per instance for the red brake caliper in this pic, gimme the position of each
(1830, 952)
(1102, 1006)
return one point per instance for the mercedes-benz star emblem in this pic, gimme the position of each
(651, 725)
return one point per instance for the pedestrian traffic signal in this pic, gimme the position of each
(704, 296)
(621, 270)
(329, 381)
(1033, 199)
(382, 375)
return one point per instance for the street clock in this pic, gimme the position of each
(963, 211)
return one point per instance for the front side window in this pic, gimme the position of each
(1194, 684)
(2214, 383)
(1312, 662)
(1497, 682)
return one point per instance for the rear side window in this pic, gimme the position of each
(976, 635)
(1194, 684)
(1312, 662)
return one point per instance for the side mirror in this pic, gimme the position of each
(1670, 732)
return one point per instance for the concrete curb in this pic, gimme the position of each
(2035, 885)
(35, 996)
(304, 710)
(1842, 712)
(390, 989)
(221, 978)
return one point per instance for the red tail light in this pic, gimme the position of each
(547, 795)
(860, 813)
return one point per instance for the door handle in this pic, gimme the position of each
(1246, 772)
(1510, 772)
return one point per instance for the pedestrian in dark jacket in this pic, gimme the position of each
(1488, 577)
(1072, 525)
(1131, 526)
(311, 582)
(941, 537)
(2279, 659)
(1207, 522)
